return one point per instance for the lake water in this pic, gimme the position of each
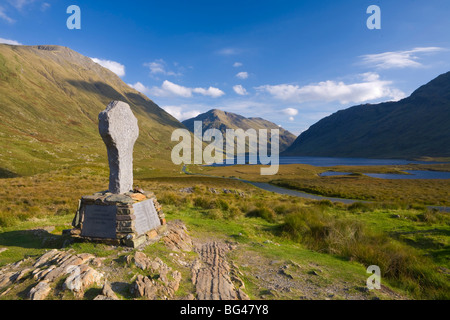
(414, 174)
(331, 162)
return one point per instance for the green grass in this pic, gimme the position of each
(411, 244)
(355, 186)
(345, 235)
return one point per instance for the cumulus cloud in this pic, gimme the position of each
(398, 59)
(168, 89)
(8, 41)
(175, 89)
(114, 66)
(290, 111)
(370, 88)
(240, 90)
(242, 75)
(211, 92)
(237, 64)
(139, 87)
(178, 113)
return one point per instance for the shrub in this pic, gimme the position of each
(284, 209)
(263, 212)
(232, 213)
(168, 198)
(214, 214)
(173, 198)
(222, 204)
(204, 203)
(350, 238)
(431, 216)
(325, 203)
(360, 207)
(7, 220)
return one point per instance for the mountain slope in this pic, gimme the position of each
(218, 119)
(416, 126)
(50, 98)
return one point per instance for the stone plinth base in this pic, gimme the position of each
(128, 219)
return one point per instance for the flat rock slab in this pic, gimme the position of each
(177, 238)
(211, 274)
(146, 216)
(99, 221)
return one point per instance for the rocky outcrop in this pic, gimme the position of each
(177, 238)
(211, 274)
(40, 291)
(66, 274)
(161, 283)
(80, 278)
(107, 293)
(48, 269)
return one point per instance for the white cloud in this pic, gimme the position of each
(114, 66)
(237, 64)
(177, 112)
(160, 67)
(155, 67)
(19, 4)
(242, 75)
(291, 119)
(228, 51)
(140, 87)
(211, 92)
(290, 111)
(240, 90)
(169, 89)
(398, 59)
(370, 88)
(11, 42)
(45, 6)
(5, 17)
(176, 89)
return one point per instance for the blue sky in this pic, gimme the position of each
(290, 62)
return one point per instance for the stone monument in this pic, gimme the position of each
(121, 215)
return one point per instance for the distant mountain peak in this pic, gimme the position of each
(416, 126)
(222, 120)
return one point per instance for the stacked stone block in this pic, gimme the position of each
(125, 218)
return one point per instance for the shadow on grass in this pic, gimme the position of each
(423, 239)
(4, 173)
(33, 239)
(148, 107)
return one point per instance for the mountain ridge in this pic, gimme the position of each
(50, 98)
(416, 126)
(223, 120)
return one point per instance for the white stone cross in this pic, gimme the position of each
(119, 129)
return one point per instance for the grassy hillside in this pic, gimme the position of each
(218, 119)
(413, 127)
(50, 98)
